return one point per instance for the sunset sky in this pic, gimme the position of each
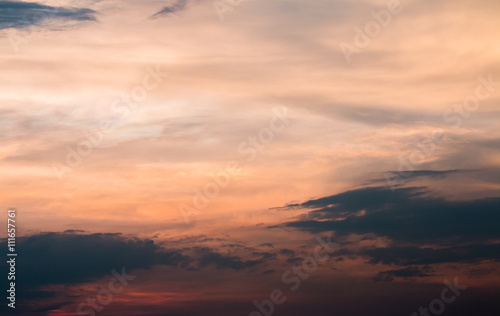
(205, 146)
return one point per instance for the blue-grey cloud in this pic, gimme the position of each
(19, 14)
(396, 175)
(405, 214)
(72, 258)
(421, 229)
(208, 258)
(413, 255)
(175, 7)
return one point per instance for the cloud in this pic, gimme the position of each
(208, 258)
(419, 229)
(350, 202)
(287, 252)
(406, 273)
(18, 15)
(267, 244)
(178, 5)
(418, 174)
(66, 258)
(407, 214)
(71, 258)
(412, 255)
(376, 115)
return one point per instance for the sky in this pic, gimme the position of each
(250, 157)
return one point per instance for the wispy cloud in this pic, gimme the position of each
(406, 273)
(436, 174)
(178, 5)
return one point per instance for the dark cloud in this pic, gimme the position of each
(175, 7)
(287, 252)
(17, 14)
(398, 176)
(267, 244)
(71, 258)
(421, 229)
(321, 295)
(72, 231)
(196, 239)
(406, 214)
(206, 257)
(294, 260)
(52, 307)
(406, 273)
(412, 255)
(66, 258)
